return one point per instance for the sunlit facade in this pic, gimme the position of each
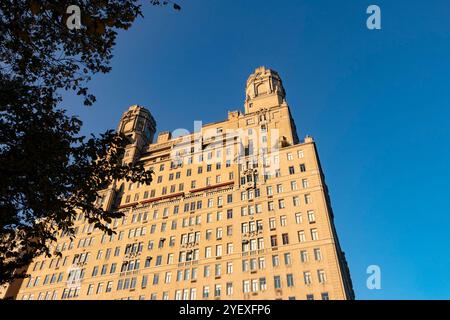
(238, 209)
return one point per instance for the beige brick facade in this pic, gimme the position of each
(237, 210)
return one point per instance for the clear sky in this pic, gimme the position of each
(376, 102)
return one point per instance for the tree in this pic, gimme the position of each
(48, 171)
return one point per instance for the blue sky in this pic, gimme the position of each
(376, 102)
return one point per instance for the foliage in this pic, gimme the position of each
(48, 171)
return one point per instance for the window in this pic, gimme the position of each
(208, 252)
(120, 284)
(205, 291)
(294, 185)
(290, 280)
(229, 248)
(301, 236)
(303, 256)
(245, 265)
(277, 282)
(285, 238)
(109, 286)
(307, 277)
(325, 296)
(218, 270)
(273, 241)
(308, 198)
(100, 288)
(218, 250)
(291, 170)
(253, 264)
(321, 276)
(309, 297)
(254, 285)
(144, 281)
(287, 259)
(314, 234)
(302, 167)
(246, 286)
(217, 290)
(300, 154)
(272, 224)
(218, 233)
(269, 191)
(283, 221)
(279, 188)
(275, 261)
(193, 293)
(262, 284)
(298, 218)
(289, 156)
(168, 277)
(311, 217)
(317, 254)
(155, 278)
(261, 263)
(229, 267)
(281, 204)
(172, 241)
(104, 269)
(229, 288)
(258, 208)
(90, 289)
(206, 271)
(305, 183)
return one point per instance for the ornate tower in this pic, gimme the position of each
(264, 90)
(139, 126)
(265, 97)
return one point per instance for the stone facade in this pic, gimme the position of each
(238, 209)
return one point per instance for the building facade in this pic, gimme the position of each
(238, 209)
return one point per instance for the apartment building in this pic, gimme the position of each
(238, 209)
